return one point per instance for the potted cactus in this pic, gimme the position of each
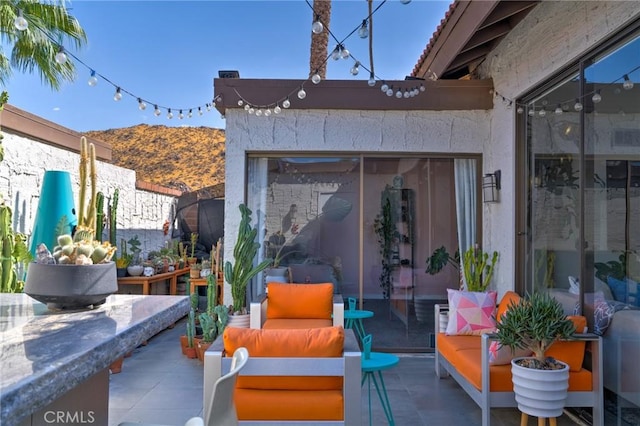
(78, 272)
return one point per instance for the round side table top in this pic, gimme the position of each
(357, 314)
(379, 361)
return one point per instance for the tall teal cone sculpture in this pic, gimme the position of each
(56, 200)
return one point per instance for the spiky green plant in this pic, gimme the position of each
(191, 328)
(535, 323)
(82, 248)
(239, 274)
(99, 215)
(113, 210)
(477, 269)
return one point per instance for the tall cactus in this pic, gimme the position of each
(99, 215)
(7, 272)
(113, 209)
(191, 328)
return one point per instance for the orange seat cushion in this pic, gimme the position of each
(283, 405)
(290, 323)
(290, 343)
(305, 301)
(571, 353)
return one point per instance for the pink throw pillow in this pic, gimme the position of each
(502, 355)
(470, 312)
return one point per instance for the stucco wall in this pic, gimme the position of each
(342, 131)
(139, 212)
(552, 36)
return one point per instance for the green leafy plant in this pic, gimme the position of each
(614, 268)
(535, 323)
(476, 266)
(239, 274)
(386, 232)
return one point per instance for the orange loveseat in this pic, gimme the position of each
(466, 359)
(298, 306)
(292, 375)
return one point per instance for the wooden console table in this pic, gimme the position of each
(146, 282)
(202, 282)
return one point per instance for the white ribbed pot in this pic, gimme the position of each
(540, 393)
(239, 321)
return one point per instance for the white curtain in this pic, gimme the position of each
(466, 185)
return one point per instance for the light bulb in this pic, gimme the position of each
(355, 69)
(190, 113)
(520, 110)
(180, 115)
(558, 110)
(389, 92)
(267, 112)
(141, 105)
(406, 94)
(117, 95)
(345, 53)
(422, 88)
(223, 117)
(246, 107)
(315, 79)
(372, 80)
(335, 55)
(169, 114)
(286, 103)
(542, 112)
(405, 1)
(384, 87)
(277, 109)
(240, 102)
(156, 111)
(258, 112)
(398, 94)
(317, 27)
(628, 84)
(60, 57)
(208, 107)
(302, 94)
(532, 112)
(363, 32)
(199, 111)
(577, 106)
(251, 110)
(92, 80)
(596, 97)
(20, 23)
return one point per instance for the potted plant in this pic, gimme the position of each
(476, 267)
(194, 240)
(535, 323)
(276, 244)
(79, 273)
(240, 273)
(194, 270)
(123, 261)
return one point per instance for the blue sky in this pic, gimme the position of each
(168, 53)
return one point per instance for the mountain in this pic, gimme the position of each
(184, 158)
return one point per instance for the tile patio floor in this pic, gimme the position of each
(160, 385)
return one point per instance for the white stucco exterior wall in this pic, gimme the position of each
(341, 131)
(139, 212)
(552, 36)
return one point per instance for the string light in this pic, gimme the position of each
(118, 95)
(60, 57)
(577, 106)
(141, 105)
(355, 69)
(180, 115)
(286, 103)
(156, 111)
(302, 94)
(596, 97)
(169, 114)
(92, 79)
(315, 79)
(558, 110)
(363, 32)
(627, 84)
(317, 26)
(372, 80)
(20, 22)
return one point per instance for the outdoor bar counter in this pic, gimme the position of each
(54, 364)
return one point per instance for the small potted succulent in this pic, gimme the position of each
(78, 273)
(535, 323)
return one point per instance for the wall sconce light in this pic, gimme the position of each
(491, 187)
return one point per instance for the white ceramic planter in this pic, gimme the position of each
(239, 321)
(540, 393)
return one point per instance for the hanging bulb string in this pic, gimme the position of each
(580, 99)
(116, 87)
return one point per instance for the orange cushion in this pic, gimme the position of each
(300, 300)
(508, 298)
(570, 352)
(290, 343)
(289, 405)
(296, 323)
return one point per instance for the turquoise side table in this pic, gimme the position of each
(376, 362)
(353, 318)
